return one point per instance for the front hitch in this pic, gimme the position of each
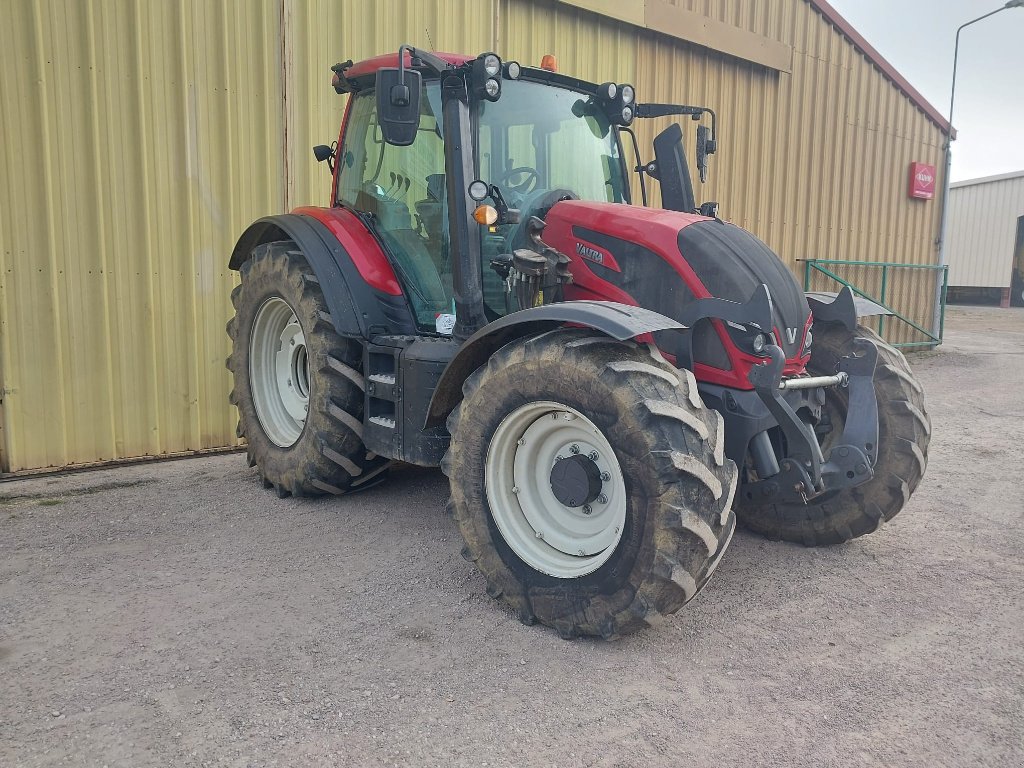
(805, 473)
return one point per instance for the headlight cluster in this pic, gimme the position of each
(749, 339)
(752, 340)
(619, 101)
(487, 73)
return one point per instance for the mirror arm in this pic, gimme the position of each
(667, 110)
(418, 58)
(401, 60)
(640, 168)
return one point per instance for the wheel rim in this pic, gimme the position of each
(279, 372)
(548, 535)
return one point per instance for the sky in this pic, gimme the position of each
(917, 37)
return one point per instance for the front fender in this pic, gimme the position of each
(843, 307)
(356, 306)
(619, 321)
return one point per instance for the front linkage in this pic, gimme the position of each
(804, 473)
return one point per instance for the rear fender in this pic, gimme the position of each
(843, 307)
(357, 308)
(619, 321)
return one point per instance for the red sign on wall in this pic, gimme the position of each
(922, 181)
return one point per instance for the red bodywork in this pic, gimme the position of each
(658, 231)
(361, 246)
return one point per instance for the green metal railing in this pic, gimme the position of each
(934, 338)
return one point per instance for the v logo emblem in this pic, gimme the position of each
(791, 335)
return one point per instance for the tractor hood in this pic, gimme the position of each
(663, 260)
(732, 263)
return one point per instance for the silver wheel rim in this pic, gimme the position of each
(279, 372)
(561, 541)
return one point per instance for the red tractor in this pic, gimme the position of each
(608, 387)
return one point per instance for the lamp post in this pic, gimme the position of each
(943, 255)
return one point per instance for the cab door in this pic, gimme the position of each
(402, 192)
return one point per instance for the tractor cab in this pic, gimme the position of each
(532, 144)
(525, 139)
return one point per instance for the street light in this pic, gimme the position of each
(949, 158)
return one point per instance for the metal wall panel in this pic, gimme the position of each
(319, 33)
(139, 138)
(813, 162)
(983, 217)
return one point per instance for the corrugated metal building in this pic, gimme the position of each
(139, 138)
(986, 226)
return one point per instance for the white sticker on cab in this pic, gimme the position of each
(445, 323)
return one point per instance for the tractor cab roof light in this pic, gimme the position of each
(486, 73)
(512, 70)
(492, 64)
(627, 94)
(549, 62)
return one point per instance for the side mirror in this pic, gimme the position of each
(322, 152)
(672, 173)
(702, 152)
(398, 104)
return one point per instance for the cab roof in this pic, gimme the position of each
(364, 70)
(370, 66)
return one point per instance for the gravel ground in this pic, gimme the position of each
(178, 614)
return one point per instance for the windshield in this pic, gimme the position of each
(537, 143)
(537, 137)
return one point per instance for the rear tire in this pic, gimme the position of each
(287, 358)
(904, 430)
(665, 464)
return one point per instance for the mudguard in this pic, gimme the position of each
(355, 307)
(619, 321)
(843, 307)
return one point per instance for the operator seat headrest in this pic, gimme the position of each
(436, 186)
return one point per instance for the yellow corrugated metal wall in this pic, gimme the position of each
(139, 138)
(814, 162)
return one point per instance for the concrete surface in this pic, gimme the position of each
(178, 614)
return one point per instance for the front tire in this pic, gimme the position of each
(297, 382)
(661, 490)
(904, 430)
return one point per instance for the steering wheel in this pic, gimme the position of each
(524, 187)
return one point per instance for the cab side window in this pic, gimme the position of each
(403, 191)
